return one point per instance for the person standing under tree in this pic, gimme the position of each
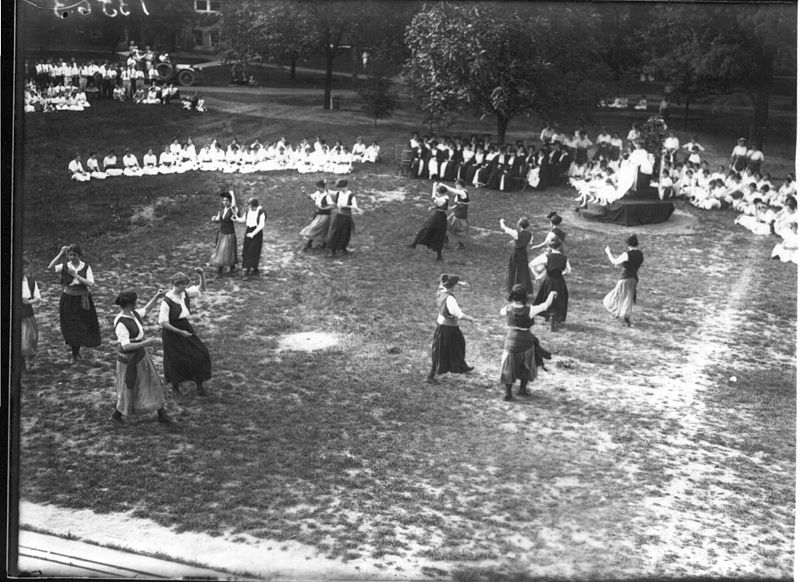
(139, 387)
(520, 358)
(518, 271)
(225, 249)
(29, 330)
(255, 219)
(449, 347)
(185, 356)
(620, 300)
(76, 310)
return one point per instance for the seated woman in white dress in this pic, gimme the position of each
(760, 222)
(787, 250)
(260, 153)
(218, 157)
(150, 163)
(641, 105)
(358, 150)
(152, 97)
(131, 164)
(93, 167)
(80, 98)
(76, 170)
(373, 152)
(111, 164)
(166, 162)
(205, 159)
(175, 148)
(201, 105)
(248, 161)
(788, 188)
(188, 157)
(138, 96)
(342, 161)
(233, 159)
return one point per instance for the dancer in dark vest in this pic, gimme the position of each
(225, 250)
(620, 300)
(77, 314)
(29, 330)
(254, 219)
(556, 265)
(518, 271)
(458, 221)
(449, 347)
(317, 229)
(434, 232)
(342, 225)
(522, 354)
(139, 387)
(186, 358)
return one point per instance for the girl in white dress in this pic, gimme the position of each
(166, 162)
(150, 163)
(93, 167)
(131, 164)
(111, 165)
(76, 170)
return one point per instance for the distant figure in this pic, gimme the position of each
(642, 104)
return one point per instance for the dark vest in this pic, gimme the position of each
(441, 300)
(519, 316)
(630, 268)
(66, 278)
(133, 331)
(556, 263)
(523, 239)
(175, 308)
(226, 221)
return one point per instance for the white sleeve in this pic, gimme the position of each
(163, 312)
(58, 268)
(453, 308)
(568, 269)
(620, 259)
(193, 291)
(503, 309)
(510, 232)
(142, 312)
(36, 294)
(353, 202)
(123, 337)
(89, 275)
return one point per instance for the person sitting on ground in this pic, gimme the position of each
(373, 153)
(76, 170)
(131, 164)
(787, 249)
(93, 167)
(760, 222)
(150, 163)
(111, 164)
(642, 104)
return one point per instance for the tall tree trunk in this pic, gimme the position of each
(502, 126)
(329, 56)
(293, 64)
(758, 126)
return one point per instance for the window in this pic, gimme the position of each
(207, 5)
(198, 38)
(213, 38)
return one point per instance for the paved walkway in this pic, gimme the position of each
(43, 555)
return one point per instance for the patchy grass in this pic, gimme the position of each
(633, 457)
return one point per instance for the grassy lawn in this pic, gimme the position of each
(636, 455)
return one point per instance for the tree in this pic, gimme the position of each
(724, 50)
(378, 97)
(502, 61)
(277, 29)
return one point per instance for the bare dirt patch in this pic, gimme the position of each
(307, 341)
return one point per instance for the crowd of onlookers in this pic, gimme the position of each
(177, 158)
(65, 84)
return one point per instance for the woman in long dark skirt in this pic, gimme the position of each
(186, 357)
(449, 347)
(520, 346)
(518, 271)
(556, 265)
(139, 387)
(620, 300)
(317, 229)
(555, 231)
(342, 225)
(434, 232)
(255, 219)
(225, 250)
(458, 221)
(29, 330)
(76, 310)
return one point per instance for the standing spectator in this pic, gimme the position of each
(77, 315)
(739, 155)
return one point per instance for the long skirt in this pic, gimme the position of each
(620, 300)
(433, 232)
(518, 271)
(448, 350)
(185, 358)
(317, 230)
(225, 253)
(147, 393)
(30, 336)
(251, 250)
(342, 228)
(458, 227)
(519, 357)
(559, 306)
(78, 325)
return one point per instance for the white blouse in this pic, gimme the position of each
(123, 335)
(163, 312)
(452, 308)
(26, 292)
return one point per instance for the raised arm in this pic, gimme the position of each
(509, 231)
(150, 304)
(616, 260)
(58, 258)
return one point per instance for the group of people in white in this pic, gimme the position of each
(177, 158)
(54, 98)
